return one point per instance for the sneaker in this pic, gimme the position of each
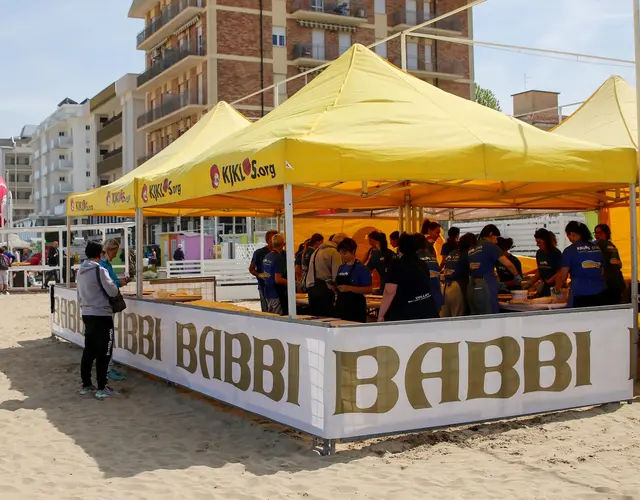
(87, 390)
(102, 395)
(115, 375)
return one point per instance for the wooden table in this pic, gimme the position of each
(527, 307)
(179, 299)
(373, 301)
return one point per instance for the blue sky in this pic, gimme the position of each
(75, 48)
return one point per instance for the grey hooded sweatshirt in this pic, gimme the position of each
(92, 300)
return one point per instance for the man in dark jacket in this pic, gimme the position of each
(179, 253)
(53, 260)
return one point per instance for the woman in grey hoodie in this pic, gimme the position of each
(95, 286)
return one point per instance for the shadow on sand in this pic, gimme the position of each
(152, 426)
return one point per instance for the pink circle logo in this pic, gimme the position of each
(145, 193)
(215, 176)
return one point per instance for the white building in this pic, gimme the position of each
(17, 171)
(63, 148)
(113, 115)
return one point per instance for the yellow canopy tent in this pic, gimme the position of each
(609, 117)
(364, 134)
(117, 198)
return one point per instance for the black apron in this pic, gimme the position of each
(350, 306)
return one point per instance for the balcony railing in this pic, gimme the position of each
(60, 165)
(171, 104)
(110, 161)
(111, 128)
(21, 162)
(173, 10)
(442, 66)
(404, 17)
(340, 8)
(36, 175)
(170, 57)
(62, 188)
(144, 159)
(317, 52)
(61, 142)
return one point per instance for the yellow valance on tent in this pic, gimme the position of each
(118, 199)
(364, 134)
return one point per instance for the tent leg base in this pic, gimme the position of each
(324, 447)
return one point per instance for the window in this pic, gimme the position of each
(317, 44)
(87, 127)
(63, 201)
(412, 55)
(61, 157)
(427, 57)
(60, 134)
(279, 38)
(88, 174)
(380, 7)
(427, 10)
(88, 150)
(381, 50)
(61, 179)
(104, 182)
(344, 42)
(410, 10)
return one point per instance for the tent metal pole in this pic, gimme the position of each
(201, 246)
(139, 253)
(633, 198)
(409, 222)
(68, 257)
(400, 219)
(125, 242)
(634, 282)
(403, 52)
(291, 250)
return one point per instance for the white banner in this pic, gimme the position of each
(375, 379)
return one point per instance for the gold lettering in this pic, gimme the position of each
(63, 313)
(72, 316)
(56, 311)
(449, 374)
(347, 380)
(242, 360)
(532, 364)
(259, 367)
(190, 346)
(119, 328)
(130, 321)
(510, 380)
(215, 353)
(158, 341)
(293, 374)
(583, 358)
(145, 336)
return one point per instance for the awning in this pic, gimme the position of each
(326, 26)
(188, 25)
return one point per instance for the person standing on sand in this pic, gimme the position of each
(5, 264)
(94, 289)
(110, 250)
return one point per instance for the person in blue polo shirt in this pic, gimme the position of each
(274, 276)
(352, 282)
(456, 275)
(583, 261)
(427, 253)
(483, 285)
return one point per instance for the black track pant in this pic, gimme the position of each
(98, 346)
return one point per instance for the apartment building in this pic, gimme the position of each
(201, 51)
(113, 115)
(63, 147)
(538, 108)
(17, 171)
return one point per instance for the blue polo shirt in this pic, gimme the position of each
(584, 260)
(359, 277)
(273, 263)
(456, 267)
(483, 258)
(549, 263)
(112, 274)
(428, 256)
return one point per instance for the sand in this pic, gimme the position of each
(155, 442)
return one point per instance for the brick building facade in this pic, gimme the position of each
(201, 51)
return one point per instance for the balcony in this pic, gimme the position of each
(171, 19)
(62, 188)
(343, 13)
(36, 154)
(172, 109)
(444, 70)
(44, 170)
(144, 159)
(405, 19)
(110, 161)
(19, 185)
(58, 209)
(61, 142)
(37, 195)
(110, 129)
(308, 55)
(36, 175)
(45, 192)
(61, 166)
(172, 63)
